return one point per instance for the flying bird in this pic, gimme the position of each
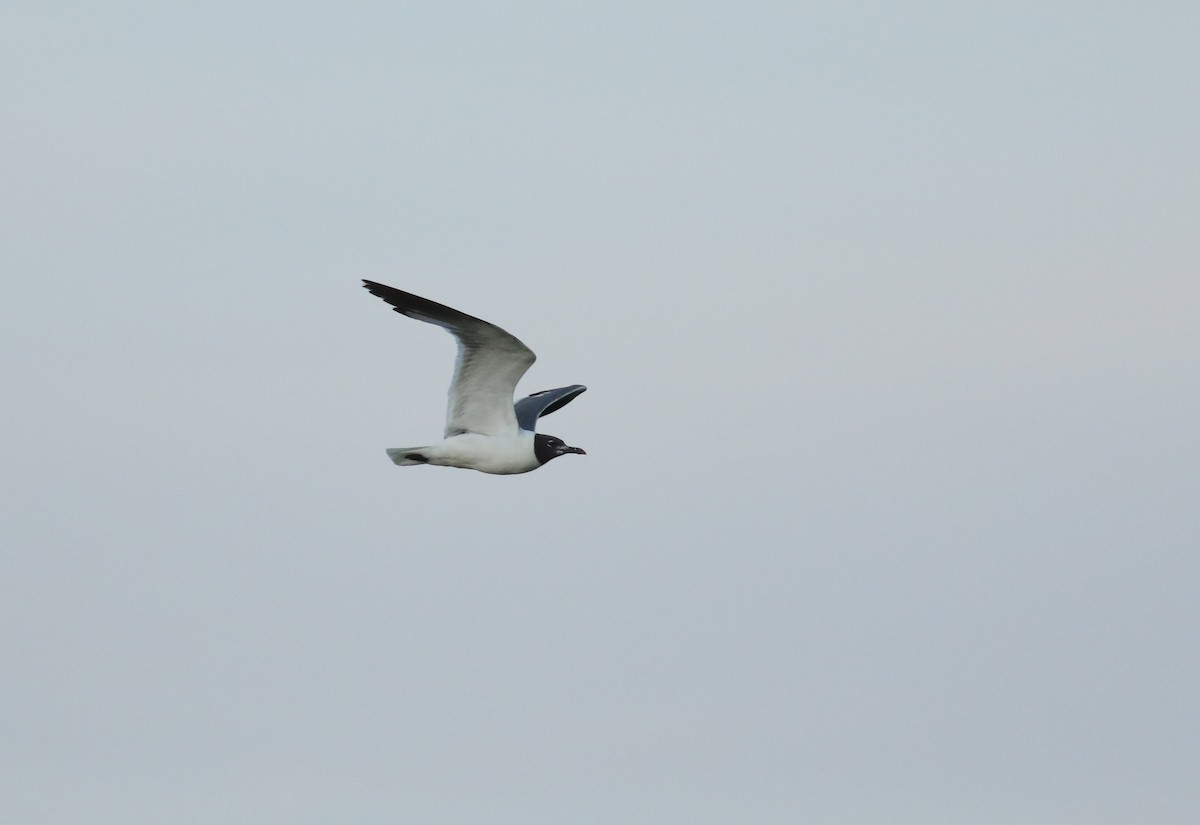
(485, 430)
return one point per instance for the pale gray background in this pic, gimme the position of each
(889, 315)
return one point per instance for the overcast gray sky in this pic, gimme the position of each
(888, 313)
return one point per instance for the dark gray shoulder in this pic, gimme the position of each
(533, 407)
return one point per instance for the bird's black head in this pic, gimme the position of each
(546, 447)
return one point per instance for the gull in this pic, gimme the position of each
(485, 430)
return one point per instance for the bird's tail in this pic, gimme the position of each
(408, 456)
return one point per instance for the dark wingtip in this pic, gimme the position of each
(575, 389)
(414, 306)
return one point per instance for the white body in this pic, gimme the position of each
(497, 454)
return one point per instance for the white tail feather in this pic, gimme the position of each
(403, 455)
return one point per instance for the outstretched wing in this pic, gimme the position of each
(489, 365)
(533, 407)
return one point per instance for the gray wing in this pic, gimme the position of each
(489, 365)
(533, 407)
